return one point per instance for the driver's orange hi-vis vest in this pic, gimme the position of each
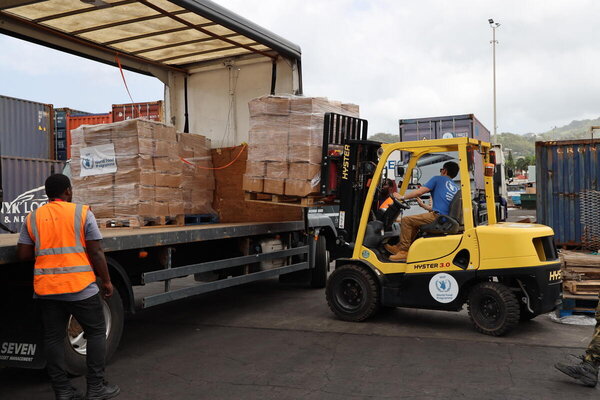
(61, 263)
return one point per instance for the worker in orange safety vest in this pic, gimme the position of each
(64, 239)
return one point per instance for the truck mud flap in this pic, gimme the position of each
(20, 328)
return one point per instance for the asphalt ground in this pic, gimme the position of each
(267, 340)
(272, 341)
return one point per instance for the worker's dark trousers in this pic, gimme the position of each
(55, 316)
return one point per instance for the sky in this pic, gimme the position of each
(395, 58)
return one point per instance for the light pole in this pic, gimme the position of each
(494, 25)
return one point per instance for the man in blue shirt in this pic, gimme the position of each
(442, 190)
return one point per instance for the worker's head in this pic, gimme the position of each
(58, 186)
(449, 169)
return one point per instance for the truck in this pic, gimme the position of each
(209, 78)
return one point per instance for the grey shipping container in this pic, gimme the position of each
(26, 128)
(568, 191)
(465, 125)
(451, 126)
(23, 187)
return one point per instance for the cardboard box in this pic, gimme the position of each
(304, 171)
(267, 152)
(274, 185)
(303, 153)
(167, 164)
(146, 178)
(103, 210)
(302, 188)
(164, 194)
(253, 184)
(269, 105)
(256, 168)
(135, 208)
(277, 170)
(168, 180)
(161, 208)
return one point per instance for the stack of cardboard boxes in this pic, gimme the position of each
(286, 141)
(197, 178)
(149, 177)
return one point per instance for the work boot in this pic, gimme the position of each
(399, 256)
(102, 391)
(585, 371)
(392, 248)
(69, 393)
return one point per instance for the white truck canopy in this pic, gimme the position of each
(211, 60)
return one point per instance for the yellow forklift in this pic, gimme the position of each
(505, 272)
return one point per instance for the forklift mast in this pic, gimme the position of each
(349, 162)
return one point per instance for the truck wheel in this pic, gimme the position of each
(493, 308)
(318, 275)
(352, 293)
(76, 344)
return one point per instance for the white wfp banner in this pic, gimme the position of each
(98, 160)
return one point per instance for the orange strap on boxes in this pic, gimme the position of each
(229, 164)
(61, 262)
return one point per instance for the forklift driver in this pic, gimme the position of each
(442, 190)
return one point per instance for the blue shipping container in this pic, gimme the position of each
(567, 172)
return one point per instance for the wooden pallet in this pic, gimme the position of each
(578, 305)
(278, 199)
(582, 287)
(581, 259)
(581, 273)
(141, 222)
(201, 219)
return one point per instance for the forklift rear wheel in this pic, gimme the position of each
(318, 275)
(352, 293)
(493, 308)
(76, 343)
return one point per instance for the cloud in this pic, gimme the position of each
(396, 59)
(433, 57)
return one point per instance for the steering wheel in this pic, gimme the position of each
(400, 203)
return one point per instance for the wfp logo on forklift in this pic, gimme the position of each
(443, 288)
(346, 162)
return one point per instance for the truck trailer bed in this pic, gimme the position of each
(117, 239)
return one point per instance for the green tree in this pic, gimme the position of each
(385, 137)
(510, 161)
(521, 164)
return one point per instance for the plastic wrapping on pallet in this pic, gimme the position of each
(150, 171)
(285, 142)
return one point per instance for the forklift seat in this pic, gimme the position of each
(447, 224)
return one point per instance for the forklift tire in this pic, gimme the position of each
(75, 343)
(318, 275)
(352, 293)
(493, 308)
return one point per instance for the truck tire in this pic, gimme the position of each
(75, 343)
(352, 293)
(318, 275)
(493, 308)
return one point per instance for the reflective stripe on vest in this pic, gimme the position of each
(64, 268)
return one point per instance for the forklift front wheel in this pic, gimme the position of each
(493, 308)
(352, 293)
